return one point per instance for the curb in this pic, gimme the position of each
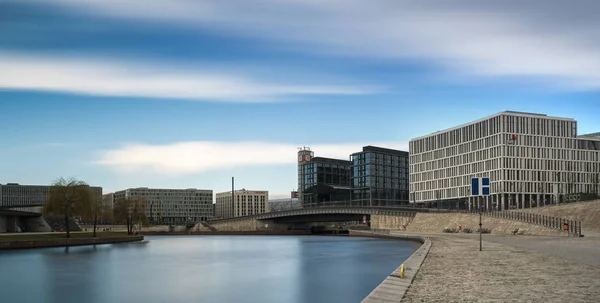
(393, 288)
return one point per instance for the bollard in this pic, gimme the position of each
(402, 271)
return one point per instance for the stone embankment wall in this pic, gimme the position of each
(588, 213)
(248, 225)
(67, 242)
(436, 223)
(389, 222)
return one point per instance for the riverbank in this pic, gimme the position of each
(394, 287)
(44, 240)
(229, 233)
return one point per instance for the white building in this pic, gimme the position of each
(172, 205)
(531, 160)
(242, 203)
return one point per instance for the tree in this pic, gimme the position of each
(97, 212)
(130, 211)
(68, 198)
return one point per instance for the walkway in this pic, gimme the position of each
(456, 271)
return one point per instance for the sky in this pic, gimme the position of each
(188, 93)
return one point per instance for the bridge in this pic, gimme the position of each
(384, 218)
(327, 213)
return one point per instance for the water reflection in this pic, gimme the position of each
(203, 269)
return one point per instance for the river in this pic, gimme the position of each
(207, 269)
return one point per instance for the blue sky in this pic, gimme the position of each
(181, 94)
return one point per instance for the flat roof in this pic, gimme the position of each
(506, 112)
(331, 160)
(149, 188)
(377, 149)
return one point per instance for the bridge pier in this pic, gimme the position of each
(8, 224)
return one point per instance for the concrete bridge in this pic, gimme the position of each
(307, 217)
(328, 213)
(400, 218)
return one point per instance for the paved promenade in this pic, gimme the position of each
(510, 269)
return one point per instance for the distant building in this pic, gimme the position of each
(15, 198)
(322, 180)
(284, 204)
(531, 160)
(16, 195)
(172, 206)
(241, 203)
(108, 201)
(375, 176)
(379, 177)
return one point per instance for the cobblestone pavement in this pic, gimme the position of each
(456, 271)
(584, 250)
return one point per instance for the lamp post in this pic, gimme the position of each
(480, 226)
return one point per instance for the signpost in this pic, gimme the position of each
(480, 187)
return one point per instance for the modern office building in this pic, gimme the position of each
(241, 203)
(284, 204)
(531, 160)
(15, 195)
(379, 177)
(172, 206)
(322, 180)
(19, 201)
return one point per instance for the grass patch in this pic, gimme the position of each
(59, 236)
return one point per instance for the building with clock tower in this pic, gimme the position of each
(322, 180)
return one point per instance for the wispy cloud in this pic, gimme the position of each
(193, 157)
(113, 77)
(554, 41)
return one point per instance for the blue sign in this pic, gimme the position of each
(480, 186)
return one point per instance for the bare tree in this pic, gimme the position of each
(68, 198)
(130, 211)
(98, 212)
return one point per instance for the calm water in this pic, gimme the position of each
(204, 269)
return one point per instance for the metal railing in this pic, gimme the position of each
(571, 226)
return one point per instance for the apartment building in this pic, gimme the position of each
(172, 206)
(531, 160)
(241, 203)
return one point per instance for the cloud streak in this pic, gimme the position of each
(185, 158)
(110, 77)
(551, 40)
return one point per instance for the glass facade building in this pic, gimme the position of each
(379, 177)
(322, 180)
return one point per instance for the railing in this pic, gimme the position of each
(571, 226)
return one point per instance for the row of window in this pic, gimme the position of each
(509, 124)
(377, 158)
(524, 166)
(525, 146)
(508, 188)
(514, 152)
